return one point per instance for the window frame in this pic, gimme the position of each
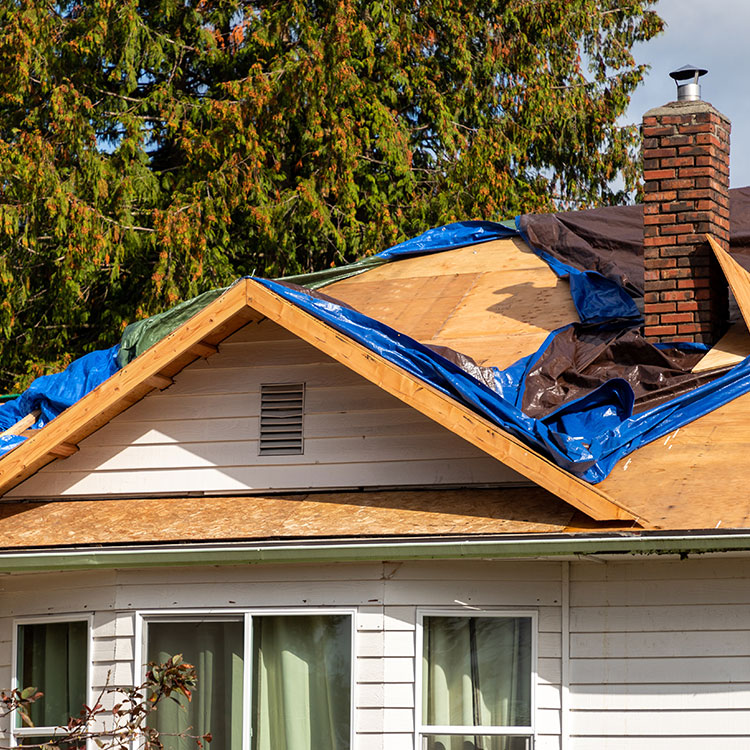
(422, 730)
(19, 732)
(245, 615)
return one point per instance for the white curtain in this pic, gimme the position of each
(53, 658)
(301, 682)
(215, 649)
(476, 672)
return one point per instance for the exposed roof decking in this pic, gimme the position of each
(496, 302)
(340, 514)
(694, 478)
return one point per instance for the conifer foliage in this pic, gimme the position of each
(152, 149)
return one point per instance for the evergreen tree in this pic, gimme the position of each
(152, 149)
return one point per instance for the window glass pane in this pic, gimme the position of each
(301, 682)
(58, 742)
(53, 658)
(458, 742)
(476, 671)
(215, 649)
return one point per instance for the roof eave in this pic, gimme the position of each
(376, 550)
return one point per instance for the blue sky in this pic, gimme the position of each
(709, 34)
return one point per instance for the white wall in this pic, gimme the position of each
(383, 594)
(660, 655)
(659, 649)
(201, 434)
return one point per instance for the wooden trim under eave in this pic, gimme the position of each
(437, 406)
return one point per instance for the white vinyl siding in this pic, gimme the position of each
(382, 596)
(202, 433)
(659, 649)
(660, 655)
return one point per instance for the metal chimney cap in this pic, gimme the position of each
(687, 71)
(686, 78)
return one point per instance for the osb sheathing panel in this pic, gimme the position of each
(730, 350)
(508, 511)
(496, 301)
(694, 478)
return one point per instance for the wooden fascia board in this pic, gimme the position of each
(117, 392)
(437, 406)
(737, 278)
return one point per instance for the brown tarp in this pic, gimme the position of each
(580, 358)
(610, 239)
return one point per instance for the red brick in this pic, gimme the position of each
(684, 172)
(690, 149)
(661, 197)
(654, 130)
(686, 328)
(703, 139)
(659, 263)
(677, 184)
(676, 273)
(679, 206)
(659, 241)
(659, 153)
(693, 283)
(676, 229)
(685, 317)
(679, 161)
(661, 307)
(659, 174)
(661, 218)
(659, 330)
(676, 296)
(682, 338)
(689, 306)
(675, 119)
(691, 239)
(671, 141)
(697, 128)
(661, 285)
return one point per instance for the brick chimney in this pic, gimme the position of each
(686, 184)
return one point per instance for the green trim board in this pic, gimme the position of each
(375, 550)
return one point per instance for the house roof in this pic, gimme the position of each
(495, 302)
(245, 301)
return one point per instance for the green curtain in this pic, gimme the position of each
(301, 682)
(215, 649)
(53, 657)
(476, 672)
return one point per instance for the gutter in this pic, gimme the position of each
(372, 550)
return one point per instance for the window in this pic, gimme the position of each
(53, 657)
(265, 681)
(477, 682)
(282, 409)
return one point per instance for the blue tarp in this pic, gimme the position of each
(586, 436)
(52, 394)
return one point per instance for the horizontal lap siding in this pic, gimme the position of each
(201, 434)
(384, 595)
(660, 655)
(659, 650)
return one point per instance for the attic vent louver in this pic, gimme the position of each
(282, 406)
